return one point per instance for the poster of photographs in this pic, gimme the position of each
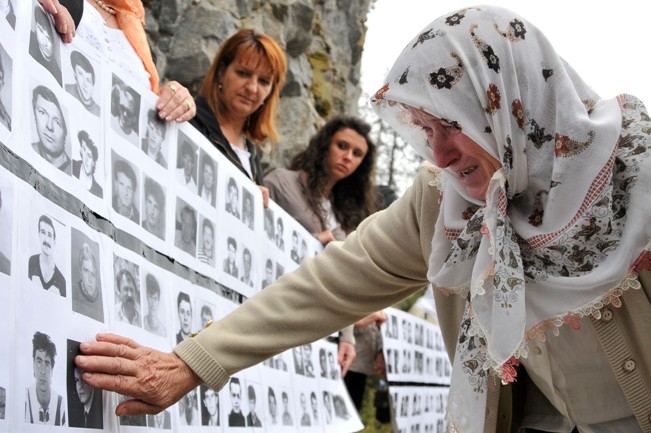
(112, 220)
(419, 409)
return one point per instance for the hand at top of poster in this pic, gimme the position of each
(63, 21)
(154, 380)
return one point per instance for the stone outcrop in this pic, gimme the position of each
(323, 40)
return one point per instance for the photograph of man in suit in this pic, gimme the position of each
(206, 253)
(246, 265)
(186, 233)
(186, 172)
(128, 307)
(287, 417)
(125, 185)
(153, 218)
(84, 168)
(87, 293)
(82, 88)
(230, 267)
(252, 419)
(273, 406)
(43, 405)
(207, 179)
(41, 267)
(268, 273)
(235, 417)
(152, 144)
(51, 129)
(84, 402)
(152, 322)
(233, 199)
(184, 310)
(210, 406)
(43, 45)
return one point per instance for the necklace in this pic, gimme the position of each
(105, 7)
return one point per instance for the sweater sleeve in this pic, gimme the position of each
(380, 264)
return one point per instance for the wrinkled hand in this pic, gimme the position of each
(63, 21)
(378, 318)
(346, 356)
(154, 380)
(265, 195)
(325, 237)
(175, 103)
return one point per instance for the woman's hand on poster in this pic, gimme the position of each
(154, 380)
(325, 237)
(265, 195)
(346, 356)
(175, 103)
(63, 21)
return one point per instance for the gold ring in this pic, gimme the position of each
(187, 104)
(173, 88)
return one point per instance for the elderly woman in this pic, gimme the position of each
(536, 226)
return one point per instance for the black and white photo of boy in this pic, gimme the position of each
(44, 43)
(86, 279)
(83, 85)
(51, 131)
(125, 107)
(42, 267)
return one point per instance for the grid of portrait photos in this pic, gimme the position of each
(414, 353)
(114, 221)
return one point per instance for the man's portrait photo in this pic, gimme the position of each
(184, 310)
(252, 418)
(7, 11)
(280, 231)
(206, 253)
(305, 417)
(233, 198)
(44, 405)
(84, 82)
(235, 417)
(269, 224)
(230, 266)
(161, 420)
(125, 185)
(154, 142)
(188, 412)
(186, 163)
(247, 264)
(268, 273)
(86, 281)
(287, 416)
(42, 268)
(299, 367)
(185, 237)
(272, 406)
(206, 315)
(84, 402)
(51, 129)
(247, 208)
(327, 404)
(295, 252)
(125, 106)
(84, 168)
(152, 321)
(6, 230)
(153, 216)
(207, 178)
(127, 292)
(44, 43)
(209, 406)
(5, 88)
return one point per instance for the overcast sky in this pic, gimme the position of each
(607, 43)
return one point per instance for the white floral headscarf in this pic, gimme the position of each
(565, 225)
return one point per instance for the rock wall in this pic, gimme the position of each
(323, 40)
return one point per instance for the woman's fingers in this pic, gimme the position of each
(175, 103)
(63, 21)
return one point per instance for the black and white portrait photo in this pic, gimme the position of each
(125, 188)
(7, 11)
(51, 131)
(42, 268)
(272, 407)
(186, 163)
(125, 107)
(248, 214)
(85, 167)
(287, 417)
(127, 292)
(185, 237)
(328, 408)
(268, 273)
(82, 86)
(253, 415)
(280, 234)
(209, 406)
(5, 87)
(269, 228)
(235, 416)
(160, 421)
(6, 200)
(206, 251)
(153, 144)
(44, 43)
(188, 409)
(153, 320)
(153, 206)
(86, 280)
(184, 311)
(206, 314)
(84, 402)
(207, 178)
(43, 403)
(295, 253)
(233, 198)
(247, 265)
(230, 263)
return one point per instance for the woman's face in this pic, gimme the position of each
(347, 150)
(246, 84)
(464, 159)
